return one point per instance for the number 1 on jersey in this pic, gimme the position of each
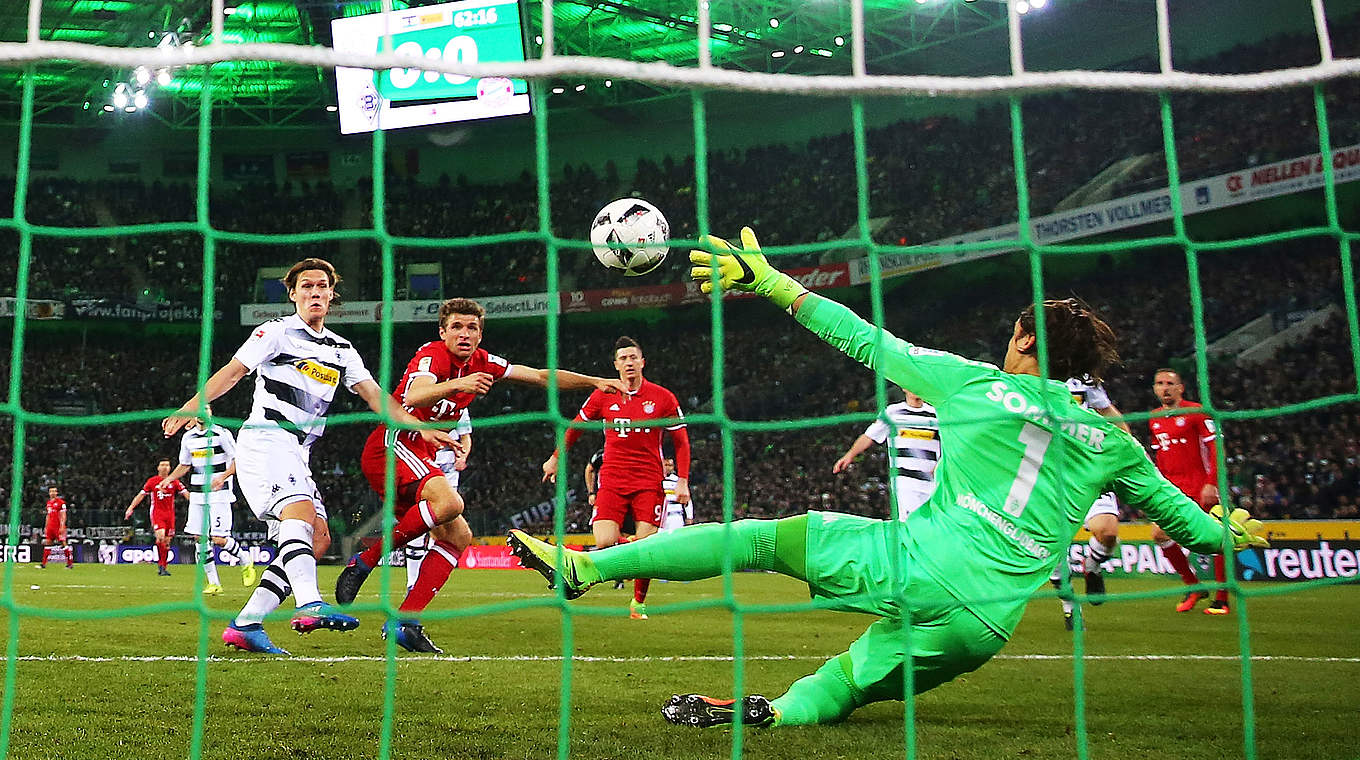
(1036, 441)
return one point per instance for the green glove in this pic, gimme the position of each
(744, 269)
(1245, 531)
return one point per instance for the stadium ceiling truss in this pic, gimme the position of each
(796, 36)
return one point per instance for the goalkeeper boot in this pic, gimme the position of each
(1095, 588)
(410, 636)
(705, 712)
(1219, 607)
(1191, 599)
(250, 638)
(541, 556)
(317, 615)
(212, 589)
(637, 610)
(351, 580)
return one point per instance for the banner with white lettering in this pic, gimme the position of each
(353, 312)
(1293, 561)
(1223, 191)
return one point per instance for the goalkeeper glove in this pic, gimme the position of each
(744, 269)
(1245, 531)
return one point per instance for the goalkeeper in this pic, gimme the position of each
(1022, 464)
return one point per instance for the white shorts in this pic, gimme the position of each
(219, 519)
(911, 494)
(1105, 505)
(274, 472)
(446, 459)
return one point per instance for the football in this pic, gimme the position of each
(629, 235)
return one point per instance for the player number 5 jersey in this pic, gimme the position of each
(204, 450)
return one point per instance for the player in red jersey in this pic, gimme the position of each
(162, 491)
(630, 478)
(440, 381)
(54, 532)
(1184, 443)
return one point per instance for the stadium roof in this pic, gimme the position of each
(801, 36)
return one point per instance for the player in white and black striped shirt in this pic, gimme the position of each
(299, 365)
(913, 454)
(209, 453)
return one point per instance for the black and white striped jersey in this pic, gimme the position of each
(296, 373)
(199, 449)
(913, 453)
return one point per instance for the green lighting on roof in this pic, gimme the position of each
(364, 7)
(90, 6)
(78, 35)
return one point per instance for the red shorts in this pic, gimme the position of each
(1194, 489)
(163, 521)
(645, 505)
(53, 533)
(413, 465)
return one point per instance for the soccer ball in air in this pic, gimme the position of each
(629, 235)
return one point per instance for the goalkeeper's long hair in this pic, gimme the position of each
(1080, 344)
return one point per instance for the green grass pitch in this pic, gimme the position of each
(124, 687)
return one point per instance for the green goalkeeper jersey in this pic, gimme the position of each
(1021, 463)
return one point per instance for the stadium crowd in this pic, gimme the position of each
(1299, 465)
(929, 178)
(932, 177)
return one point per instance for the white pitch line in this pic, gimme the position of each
(644, 659)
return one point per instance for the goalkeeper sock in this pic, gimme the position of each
(417, 521)
(827, 696)
(1176, 556)
(205, 558)
(687, 554)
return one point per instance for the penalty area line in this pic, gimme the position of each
(643, 659)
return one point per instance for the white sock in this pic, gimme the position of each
(205, 558)
(1096, 553)
(413, 569)
(1067, 606)
(295, 553)
(234, 549)
(267, 597)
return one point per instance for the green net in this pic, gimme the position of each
(555, 242)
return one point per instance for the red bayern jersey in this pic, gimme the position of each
(632, 447)
(55, 507)
(435, 361)
(162, 493)
(1184, 448)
